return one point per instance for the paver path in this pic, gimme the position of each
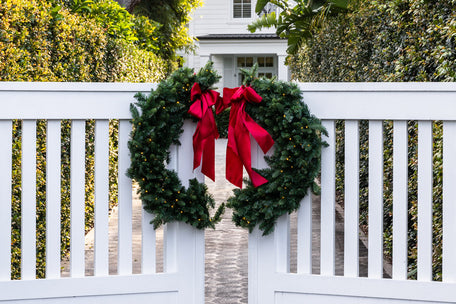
(226, 247)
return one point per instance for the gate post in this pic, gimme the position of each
(184, 245)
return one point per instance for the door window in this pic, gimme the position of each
(266, 66)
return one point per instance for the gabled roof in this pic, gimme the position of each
(238, 36)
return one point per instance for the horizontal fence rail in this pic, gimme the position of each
(98, 115)
(381, 137)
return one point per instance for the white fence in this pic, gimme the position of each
(270, 280)
(269, 257)
(183, 278)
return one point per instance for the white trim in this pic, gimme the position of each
(76, 86)
(243, 46)
(52, 100)
(382, 101)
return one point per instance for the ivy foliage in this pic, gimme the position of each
(295, 162)
(157, 124)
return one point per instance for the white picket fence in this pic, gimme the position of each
(270, 280)
(182, 280)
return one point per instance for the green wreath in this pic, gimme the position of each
(157, 124)
(295, 163)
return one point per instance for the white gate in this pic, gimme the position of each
(270, 280)
(182, 280)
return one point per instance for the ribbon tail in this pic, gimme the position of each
(197, 148)
(208, 167)
(245, 155)
(233, 168)
(204, 145)
(262, 137)
(256, 178)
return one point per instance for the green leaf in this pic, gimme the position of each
(265, 21)
(260, 5)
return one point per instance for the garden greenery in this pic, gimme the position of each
(46, 41)
(381, 40)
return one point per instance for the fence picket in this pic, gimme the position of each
(101, 208)
(53, 186)
(425, 186)
(304, 247)
(282, 244)
(351, 221)
(6, 130)
(125, 251)
(375, 250)
(28, 210)
(328, 200)
(400, 204)
(77, 175)
(148, 239)
(449, 198)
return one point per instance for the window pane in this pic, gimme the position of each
(261, 62)
(237, 11)
(241, 78)
(247, 9)
(241, 62)
(260, 74)
(247, 12)
(269, 61)
(269, 75)
(237, 1)
(249, 62)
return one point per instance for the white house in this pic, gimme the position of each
(221, 29)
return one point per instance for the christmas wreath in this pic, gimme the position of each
(157, 124)
(295, 163)
(271, 111)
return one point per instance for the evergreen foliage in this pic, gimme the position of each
(157, 124)
(295, 162)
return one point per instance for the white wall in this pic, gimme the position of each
(215, 17)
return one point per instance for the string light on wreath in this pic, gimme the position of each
(157, 124)
(295, 163)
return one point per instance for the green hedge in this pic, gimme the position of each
(39, 42)
(402, 40)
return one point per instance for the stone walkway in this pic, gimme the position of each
(226, 247)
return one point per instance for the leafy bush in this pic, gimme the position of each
(403, 40)
(43, 41)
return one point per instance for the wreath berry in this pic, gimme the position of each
(295, 163)
(157, 124)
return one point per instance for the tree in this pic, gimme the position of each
(296, 21)
(172, 17)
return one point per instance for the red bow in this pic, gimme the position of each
(206, 130)
(240, 127)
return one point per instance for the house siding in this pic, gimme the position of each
(215, 17)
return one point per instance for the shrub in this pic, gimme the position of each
(41, 41)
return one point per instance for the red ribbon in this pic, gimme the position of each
(241, 125)
(206, 130)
